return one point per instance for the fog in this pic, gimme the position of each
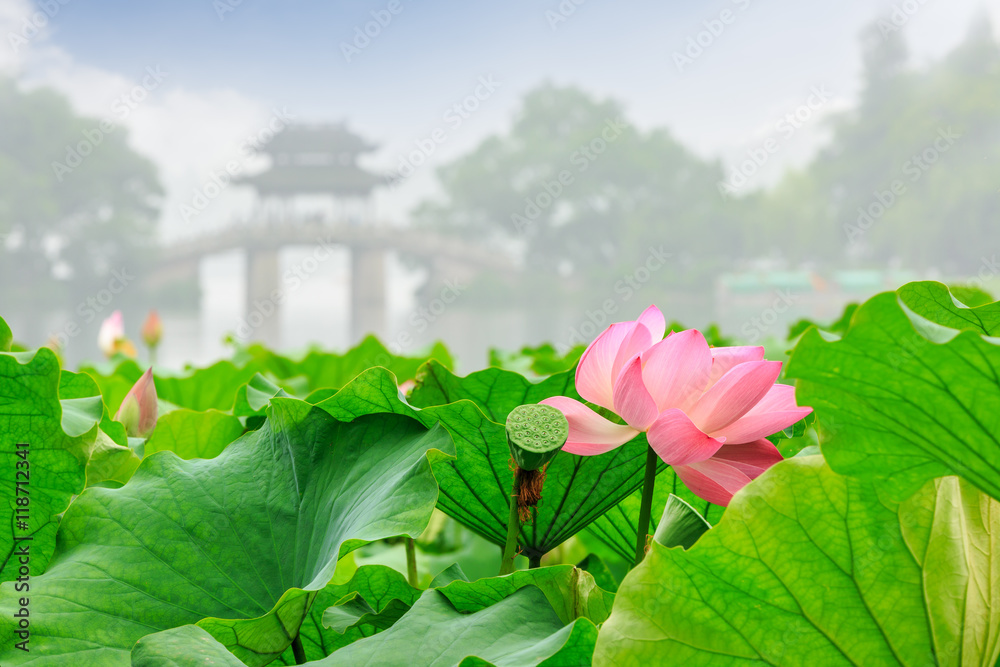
(493, 175)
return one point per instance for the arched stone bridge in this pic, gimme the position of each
(367, 243)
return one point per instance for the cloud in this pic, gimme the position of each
(13, 15)
(187, 134)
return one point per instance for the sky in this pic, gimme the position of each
(230, 67)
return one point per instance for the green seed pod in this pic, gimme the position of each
(535, 434)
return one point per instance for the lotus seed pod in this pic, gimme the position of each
(535, 434)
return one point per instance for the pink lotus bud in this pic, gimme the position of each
(138, 410)
(152, 330)
(112, 330)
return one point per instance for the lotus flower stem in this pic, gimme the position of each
(534, 561)
(411, 561)
(513, 528)
(298, 651)
(645, 509)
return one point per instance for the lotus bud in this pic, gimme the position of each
(152, 330)
(139, 410)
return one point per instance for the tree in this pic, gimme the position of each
(912, 172)
(583, 193)
(76, 202)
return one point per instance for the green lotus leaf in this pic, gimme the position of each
(239, 545)
(811, 568)
(54, 464)
(377, 596)
(6, 336)
(617, 528)
(325, 370)
(904, 399)
(182, 647)
(518, 631)
(935, 302)
(475, 488)
(194, 435)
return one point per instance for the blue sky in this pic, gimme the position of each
(287, 54)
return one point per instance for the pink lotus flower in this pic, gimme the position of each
(112, 331)
(139, 409)
(706, 411)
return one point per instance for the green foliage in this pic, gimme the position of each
(475, 487)
(617, 527)
(104, 210)
(910, 393)
(239, 544)
(519, 631)
(54, 464)
(6, 337)
(194, 435)
(837, 327)
(376, 597)
(808, 567)
(541, 360)
(571, 498)
(220, 547)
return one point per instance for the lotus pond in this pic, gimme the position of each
(648, 500)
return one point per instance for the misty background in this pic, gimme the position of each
(493, 175)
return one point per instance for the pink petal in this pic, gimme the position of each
(594, 378)
(712, 480)
(654, 321)
(751, 458)
(632, 400)
(733, 395)
(676, 370)
(678, 441)
(776, 411)
(589, 432)
(635, 343)
(725, 358)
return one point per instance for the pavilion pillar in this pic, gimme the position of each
(262, 320)
(367, 292)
